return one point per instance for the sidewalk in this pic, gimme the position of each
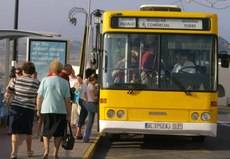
(223, 108)
(81, 150)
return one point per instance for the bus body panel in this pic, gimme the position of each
(157, 106)
(159, 128)
(165, 112)
(153, 107)
(162, 99)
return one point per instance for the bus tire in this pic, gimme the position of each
(199, 139)
(113, 137)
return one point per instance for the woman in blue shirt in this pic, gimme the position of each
(53, 102)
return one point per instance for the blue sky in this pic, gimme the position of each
(52, 15)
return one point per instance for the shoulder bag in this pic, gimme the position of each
(68, 140)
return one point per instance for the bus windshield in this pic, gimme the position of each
(159, 62)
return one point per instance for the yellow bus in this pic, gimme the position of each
(158, 72)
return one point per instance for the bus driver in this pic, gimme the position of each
(183, 65)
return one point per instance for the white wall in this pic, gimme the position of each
(224, 79)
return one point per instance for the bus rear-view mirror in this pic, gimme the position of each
(224, 59)
(220, 90)
(94, 59)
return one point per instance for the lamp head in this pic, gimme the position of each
(73, 21)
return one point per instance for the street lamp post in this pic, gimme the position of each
(14, 58)
(89, 10)
(97, 14)
(14, 55)
(73, 20)
(87, 31)
(95, 53)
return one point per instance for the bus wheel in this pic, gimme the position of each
(113, 137)
(199, 139)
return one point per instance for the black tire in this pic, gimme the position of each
(199, 139)
(113, 137)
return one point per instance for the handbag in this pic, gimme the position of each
(72, 94)
(68, 140)
(7, 99)
(9, 95)
(75, 95)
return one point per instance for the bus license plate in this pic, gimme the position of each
(164, 126)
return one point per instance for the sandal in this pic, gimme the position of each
(79, 137)
(30, 153)
(13, 156)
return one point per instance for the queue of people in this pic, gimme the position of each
(51, 100)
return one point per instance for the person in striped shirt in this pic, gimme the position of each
(24, 92)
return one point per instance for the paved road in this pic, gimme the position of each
(168, 147)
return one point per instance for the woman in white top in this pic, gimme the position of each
(91, 106)
(75, 102)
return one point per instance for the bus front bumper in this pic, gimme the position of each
(159, 128)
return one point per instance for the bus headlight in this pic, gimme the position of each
(195, 116)
(110, 113)
(120, 113)
(205, 116)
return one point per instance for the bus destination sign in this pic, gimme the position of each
(127, 22)
(160, 23)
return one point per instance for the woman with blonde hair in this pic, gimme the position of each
(53, 102)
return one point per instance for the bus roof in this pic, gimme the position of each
(153, 7)
(133, 13)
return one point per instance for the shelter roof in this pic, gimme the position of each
(14, 34)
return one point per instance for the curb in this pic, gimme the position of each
(88, 154)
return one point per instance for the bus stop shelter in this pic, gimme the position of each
(12, 34)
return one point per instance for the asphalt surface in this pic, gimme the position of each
(168, 147)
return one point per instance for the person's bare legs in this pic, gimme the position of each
(29, 145)
(78, 133)
(40, 124)
(46, 145)
(57, 143)
(14, 144)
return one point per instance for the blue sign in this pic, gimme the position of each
(42, 51)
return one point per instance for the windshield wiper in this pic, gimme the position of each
(178, 83)
(181, 86)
